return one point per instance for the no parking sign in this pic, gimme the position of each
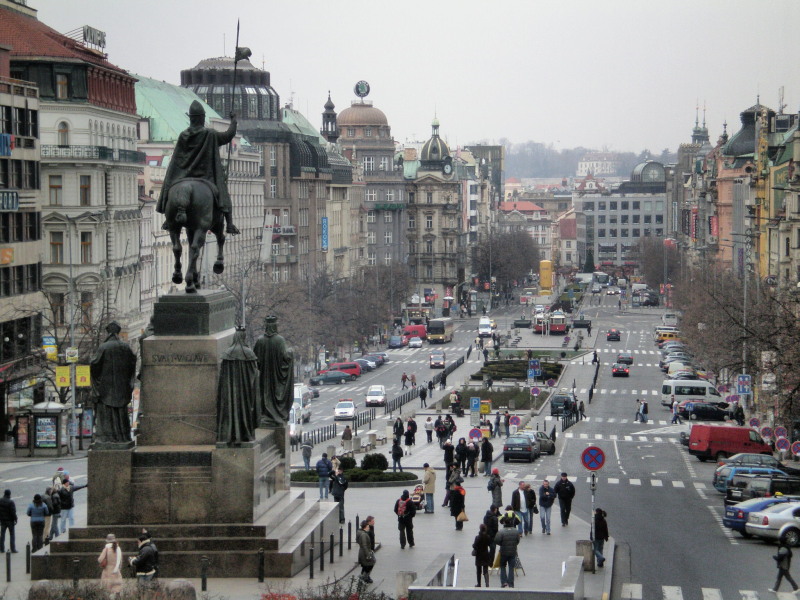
(796, 448)
(782, 444)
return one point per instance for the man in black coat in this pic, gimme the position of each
(486, 456)
(565, 491)
(8, 519)
(338, 486)
(146, 562)
(490, 519)
(405, 510)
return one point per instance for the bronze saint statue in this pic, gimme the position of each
(113, 370)
(276, 367)
(195, 194)
(238, 398)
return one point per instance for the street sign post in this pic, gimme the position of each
(593, 458)
(743, 383)
(475, 434)
(535, 391)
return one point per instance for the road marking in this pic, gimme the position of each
(632, 591)
(34, 479)
(635, 482)
(613, 480)
(15, 479)
(598, 436)
(613, 437)
(672, 592)
(748, 595)
(678, 484)
(699, 485)
(656, 483)
(584, 436)
(711, 594)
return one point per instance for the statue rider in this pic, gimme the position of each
(196, 155)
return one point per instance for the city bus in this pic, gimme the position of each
(440, 331)
(601, 278)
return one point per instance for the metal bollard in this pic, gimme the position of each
(341, 541)
(358, 522)
(349, 535)
(321, 556)
(331, 550)
(76, 563)
(28, 558)
(311, 562)
(260, 565)
(204, 574)
(8, 565)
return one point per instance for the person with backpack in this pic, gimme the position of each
(507, 540)
(397, 455)
(783, 558)
(338, 485)
(145, 563)
(324, 469)
(495, 486)
(405, 510)
(486, 455)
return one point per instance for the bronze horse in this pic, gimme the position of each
(191, 205)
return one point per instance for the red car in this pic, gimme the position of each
(619, 370)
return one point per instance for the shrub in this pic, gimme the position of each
(374, 461)
(378, 475)
(304, 476)
(347, 462)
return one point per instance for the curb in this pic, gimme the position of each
(361, 484)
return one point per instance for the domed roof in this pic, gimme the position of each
(361, 113)
(225, 62)
(434, 149)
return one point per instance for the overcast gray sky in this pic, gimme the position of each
(621, 74)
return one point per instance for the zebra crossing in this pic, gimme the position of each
(633, 591)
(35, 479)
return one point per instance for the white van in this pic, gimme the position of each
(295, 424)
(686, 389)
(485, 327)
(669, 319)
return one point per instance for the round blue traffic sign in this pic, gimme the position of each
(593, 458)
(780, 432)
(782, 444)
(475, 434)
(535, 391)
(754, 422)
(796, 448)
(515, 420)
(766, 432)
(551, 382)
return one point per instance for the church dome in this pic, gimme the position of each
(435, 149)
(361, 114)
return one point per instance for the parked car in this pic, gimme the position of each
(376, 396)
(415, 342)
(344, 409)
(383, 355)
(378, 359)
(703, 411)
(520, 446)
(546, 445)
(303, 412)
(625, 358)
(779, 522)
(330, 377)
(612, 335)
(437, 359)
(755, 485)
(736, 516)
(350, 368)
(365, 364)
(724, 474)
(618, 370)
(396, 341)
(751, 458)
(720, 441)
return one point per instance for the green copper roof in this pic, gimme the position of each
(166, 106)
(410, 168)
(299, 124)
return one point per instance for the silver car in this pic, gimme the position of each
(780, 522)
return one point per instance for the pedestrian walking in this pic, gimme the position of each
(457, 505)
(413, 380)
(441, 431)
(600, 535)
(338, 486)
(676, 417)
(497, 424)
(507, 540)
(638, 416)
(495, 487)
(366, 551)
(428, 425)
(453, 478)
(48, 520)
(412, 424)
(507, 423)
(486, 455)
(423, 396)
(409, 439)
(428, 487)
(546, 498)
(582, 410)
(783, 558)
(738, 414)
(519, 505)
(305, 449)
(404, 380)
(397, 455)
(489, 382)
(565, 490)
(398, 429)
(37, 511)
(485, 355)
(530, 502)
(431, 385)
(594, 357)
(110, 561)
(8, 522)
(643, 411)
(145, 563)
(324, 469)
(481, 550)
(589, 329)
(405, 510)
(347, 434)
(443, 382)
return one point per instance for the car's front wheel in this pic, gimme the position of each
(343, 381)
(353, 377)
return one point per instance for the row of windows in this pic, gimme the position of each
(19, 337)
(368, 132)
(636, 232)
(646, 205)
(20, 279)
(601, 219)
(19, 174)
(20, 227)
(369, 164)
(58, 301)
(19, 121)
(57, 256)
(56, 190)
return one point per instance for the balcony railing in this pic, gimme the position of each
(92, 153)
